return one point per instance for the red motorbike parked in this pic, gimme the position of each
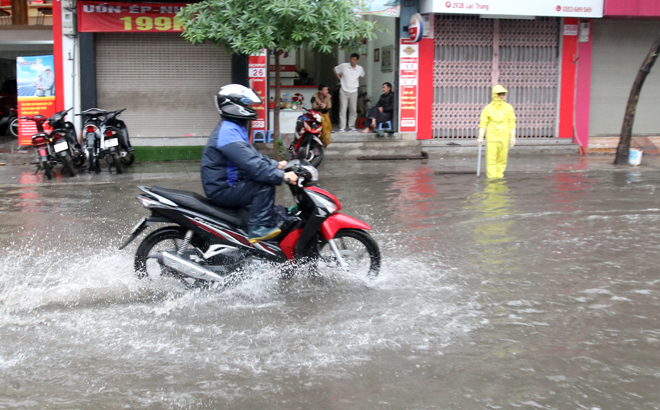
(204, 243)
(307, 145)
(51, 148)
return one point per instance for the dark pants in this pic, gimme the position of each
(260, 197)
(380, 117)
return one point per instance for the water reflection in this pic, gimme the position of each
(492, 208)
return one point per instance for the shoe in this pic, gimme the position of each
(341, 130)
(262, 233)
(353, 129)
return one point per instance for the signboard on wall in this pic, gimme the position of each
(408, 81)
(387, 8)
(257, 75)
(97, 16)
(35, 81)
(554, 8)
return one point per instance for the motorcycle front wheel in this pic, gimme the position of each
(168, 239)
(13, 127)
(127, 158)
(357, 249)
(313, 155)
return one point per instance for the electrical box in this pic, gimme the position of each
(69, 4)
(68, 23)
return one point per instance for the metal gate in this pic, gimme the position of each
(473, 54)
(165, 83)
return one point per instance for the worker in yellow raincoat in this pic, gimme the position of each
(498, 124)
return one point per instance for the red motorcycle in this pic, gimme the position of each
(51, 148)
(307, 145)
(204, 243)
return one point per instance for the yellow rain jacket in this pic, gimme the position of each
(498, 117)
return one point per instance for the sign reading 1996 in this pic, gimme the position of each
(96, 16)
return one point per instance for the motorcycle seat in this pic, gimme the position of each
(199, 203)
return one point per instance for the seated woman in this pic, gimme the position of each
(382, 112)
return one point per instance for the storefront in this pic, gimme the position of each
(141, 63)
(621, 41)
(528, 47)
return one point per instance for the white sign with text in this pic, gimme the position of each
(555, 8)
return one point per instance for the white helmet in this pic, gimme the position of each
(234, 101)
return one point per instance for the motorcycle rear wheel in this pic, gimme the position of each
(48, 169)
(93, 161)
(116, 162)
(358, 250)
(67, 166)
(169, 238)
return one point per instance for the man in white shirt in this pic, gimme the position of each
(349, 75)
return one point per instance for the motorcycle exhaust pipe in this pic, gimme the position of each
(187, 268)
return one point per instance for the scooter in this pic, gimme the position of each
(205, 244)
(51, 148)
(307, 143)
(100, 140)
(67, 131)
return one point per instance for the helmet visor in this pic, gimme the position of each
(248, 96)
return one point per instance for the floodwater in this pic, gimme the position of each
(540, 291)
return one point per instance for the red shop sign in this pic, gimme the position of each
(97, 16)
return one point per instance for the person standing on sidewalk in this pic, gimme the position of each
(349, 75)
(498, 124)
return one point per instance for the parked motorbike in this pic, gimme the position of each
(51, 148)
(204, 243)
(118, 126)
(102, 138)
(307, 143)
(68, 131)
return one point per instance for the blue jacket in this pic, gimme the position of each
(229, 157)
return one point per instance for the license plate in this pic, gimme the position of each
(113, 142)
(138, 225)
(61, 146)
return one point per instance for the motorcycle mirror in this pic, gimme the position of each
(291, 165)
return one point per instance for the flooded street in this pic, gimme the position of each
(539, 291)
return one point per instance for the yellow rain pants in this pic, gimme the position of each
(499, 121)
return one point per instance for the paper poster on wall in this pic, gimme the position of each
(35, 80)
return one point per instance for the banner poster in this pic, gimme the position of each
(387, 8)
(257, 75)
(98, 16)
(35, 80)
(408, 79)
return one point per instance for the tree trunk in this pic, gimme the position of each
(623, 150)
(276, 113)
(19, 12)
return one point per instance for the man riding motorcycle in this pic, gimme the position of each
(234, 173)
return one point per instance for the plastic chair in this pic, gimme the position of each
(268, 137)
(362, 123)
(389, 125)
(259, 136)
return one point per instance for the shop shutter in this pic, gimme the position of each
(619, 48)
(473, 54)
(165, 83)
